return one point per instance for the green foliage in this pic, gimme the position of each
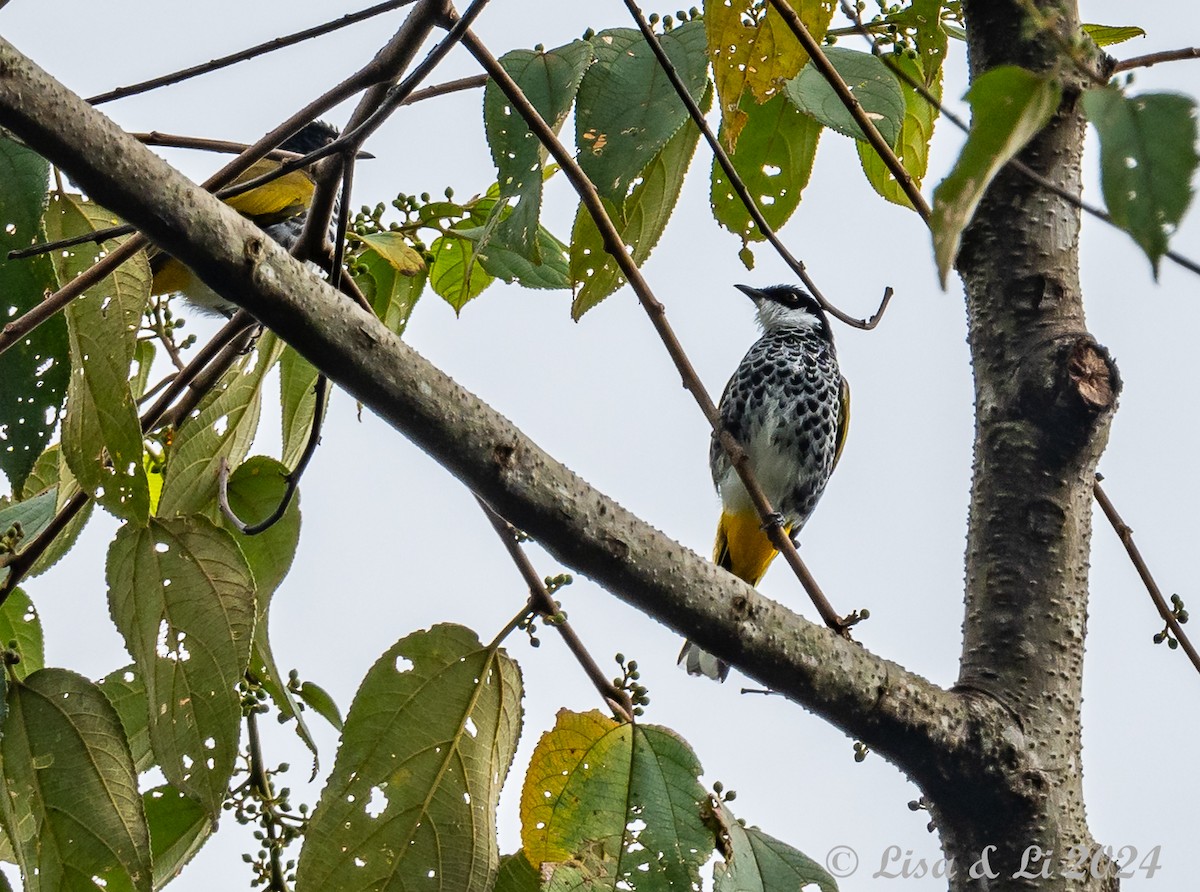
(1009, 105)
(455, 276)
(640, 220)
(549, 81)
(221, 428)
(44, 478)
(872, 83)
(20, 625)
(1109, 35)
(178, 828)
(756, 862)
(626, 110)
(71, 808)
(412, 798)
(102, 437)
(298, 398)
(126, 691)
(1147, 161)
(774, 158)
(182, 596)
(36, 368)
(602, 798)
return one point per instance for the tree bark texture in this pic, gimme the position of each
(1045, 392)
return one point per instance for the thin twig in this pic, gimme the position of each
(1125, 534)
(381, 69)
(541, 602)
(615, 247)
(1191, 52)
(821, 62)
(291, 478)
(473, 82)
(277, 43)
(260, 781)
(735, 180)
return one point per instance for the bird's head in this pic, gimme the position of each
(786, 306)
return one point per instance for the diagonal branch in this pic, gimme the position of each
(940, 737)
(615, 247)
(821, 62)
(735, 180)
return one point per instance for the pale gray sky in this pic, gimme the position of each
(391, 543)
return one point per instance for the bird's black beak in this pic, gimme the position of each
(753, 293)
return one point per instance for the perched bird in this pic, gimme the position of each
(279, 207)
(788, 406)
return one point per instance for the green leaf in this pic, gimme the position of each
(916, 133)
(756, 862)
(178, 828)
(1108, 35)
(640, 221)
(321, 702)
(1147, 160)
(255, 490)
(72, 807)
(101, 417)
(608, 798)
(509, 266)
(126, 691)
(35, 369)
(30, 516)
(412, 798)
(626, 109)
(222, 426)
(297, 393)
(19, 622)
(1009, 105)
(143, 362)
(182, 596)
(549, 81)
(753, 52)
(45, 477)
(391, 293)
(774, 158)
(873, 84)
(456, 276)
(517, 875)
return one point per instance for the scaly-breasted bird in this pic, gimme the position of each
(788, 406)
(279, 207)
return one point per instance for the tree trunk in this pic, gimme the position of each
(1045, 393)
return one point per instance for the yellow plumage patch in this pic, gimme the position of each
(278, 199)
(742, 546)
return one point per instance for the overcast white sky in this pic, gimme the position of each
(391, 543)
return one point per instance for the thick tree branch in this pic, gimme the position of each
(943, 739)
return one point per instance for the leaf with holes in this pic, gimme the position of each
(20, 623)
(1108, 35)
(549, 81)
(916, 133)
(517, 875)
(509, 266)
(774, 158)
(35, 369)
(640, 221)
(126, 691)
(1147, 160)
(1009, 105)
(222, 426)
(616, 802)
(626, 110)
(412, 798)
(872, 83)
(182, 596)
(756, 862)
(71, 805)
(255, 490)
(101, 434)
(753, 52)
(179, 826)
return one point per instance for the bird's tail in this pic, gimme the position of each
(742, 548)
